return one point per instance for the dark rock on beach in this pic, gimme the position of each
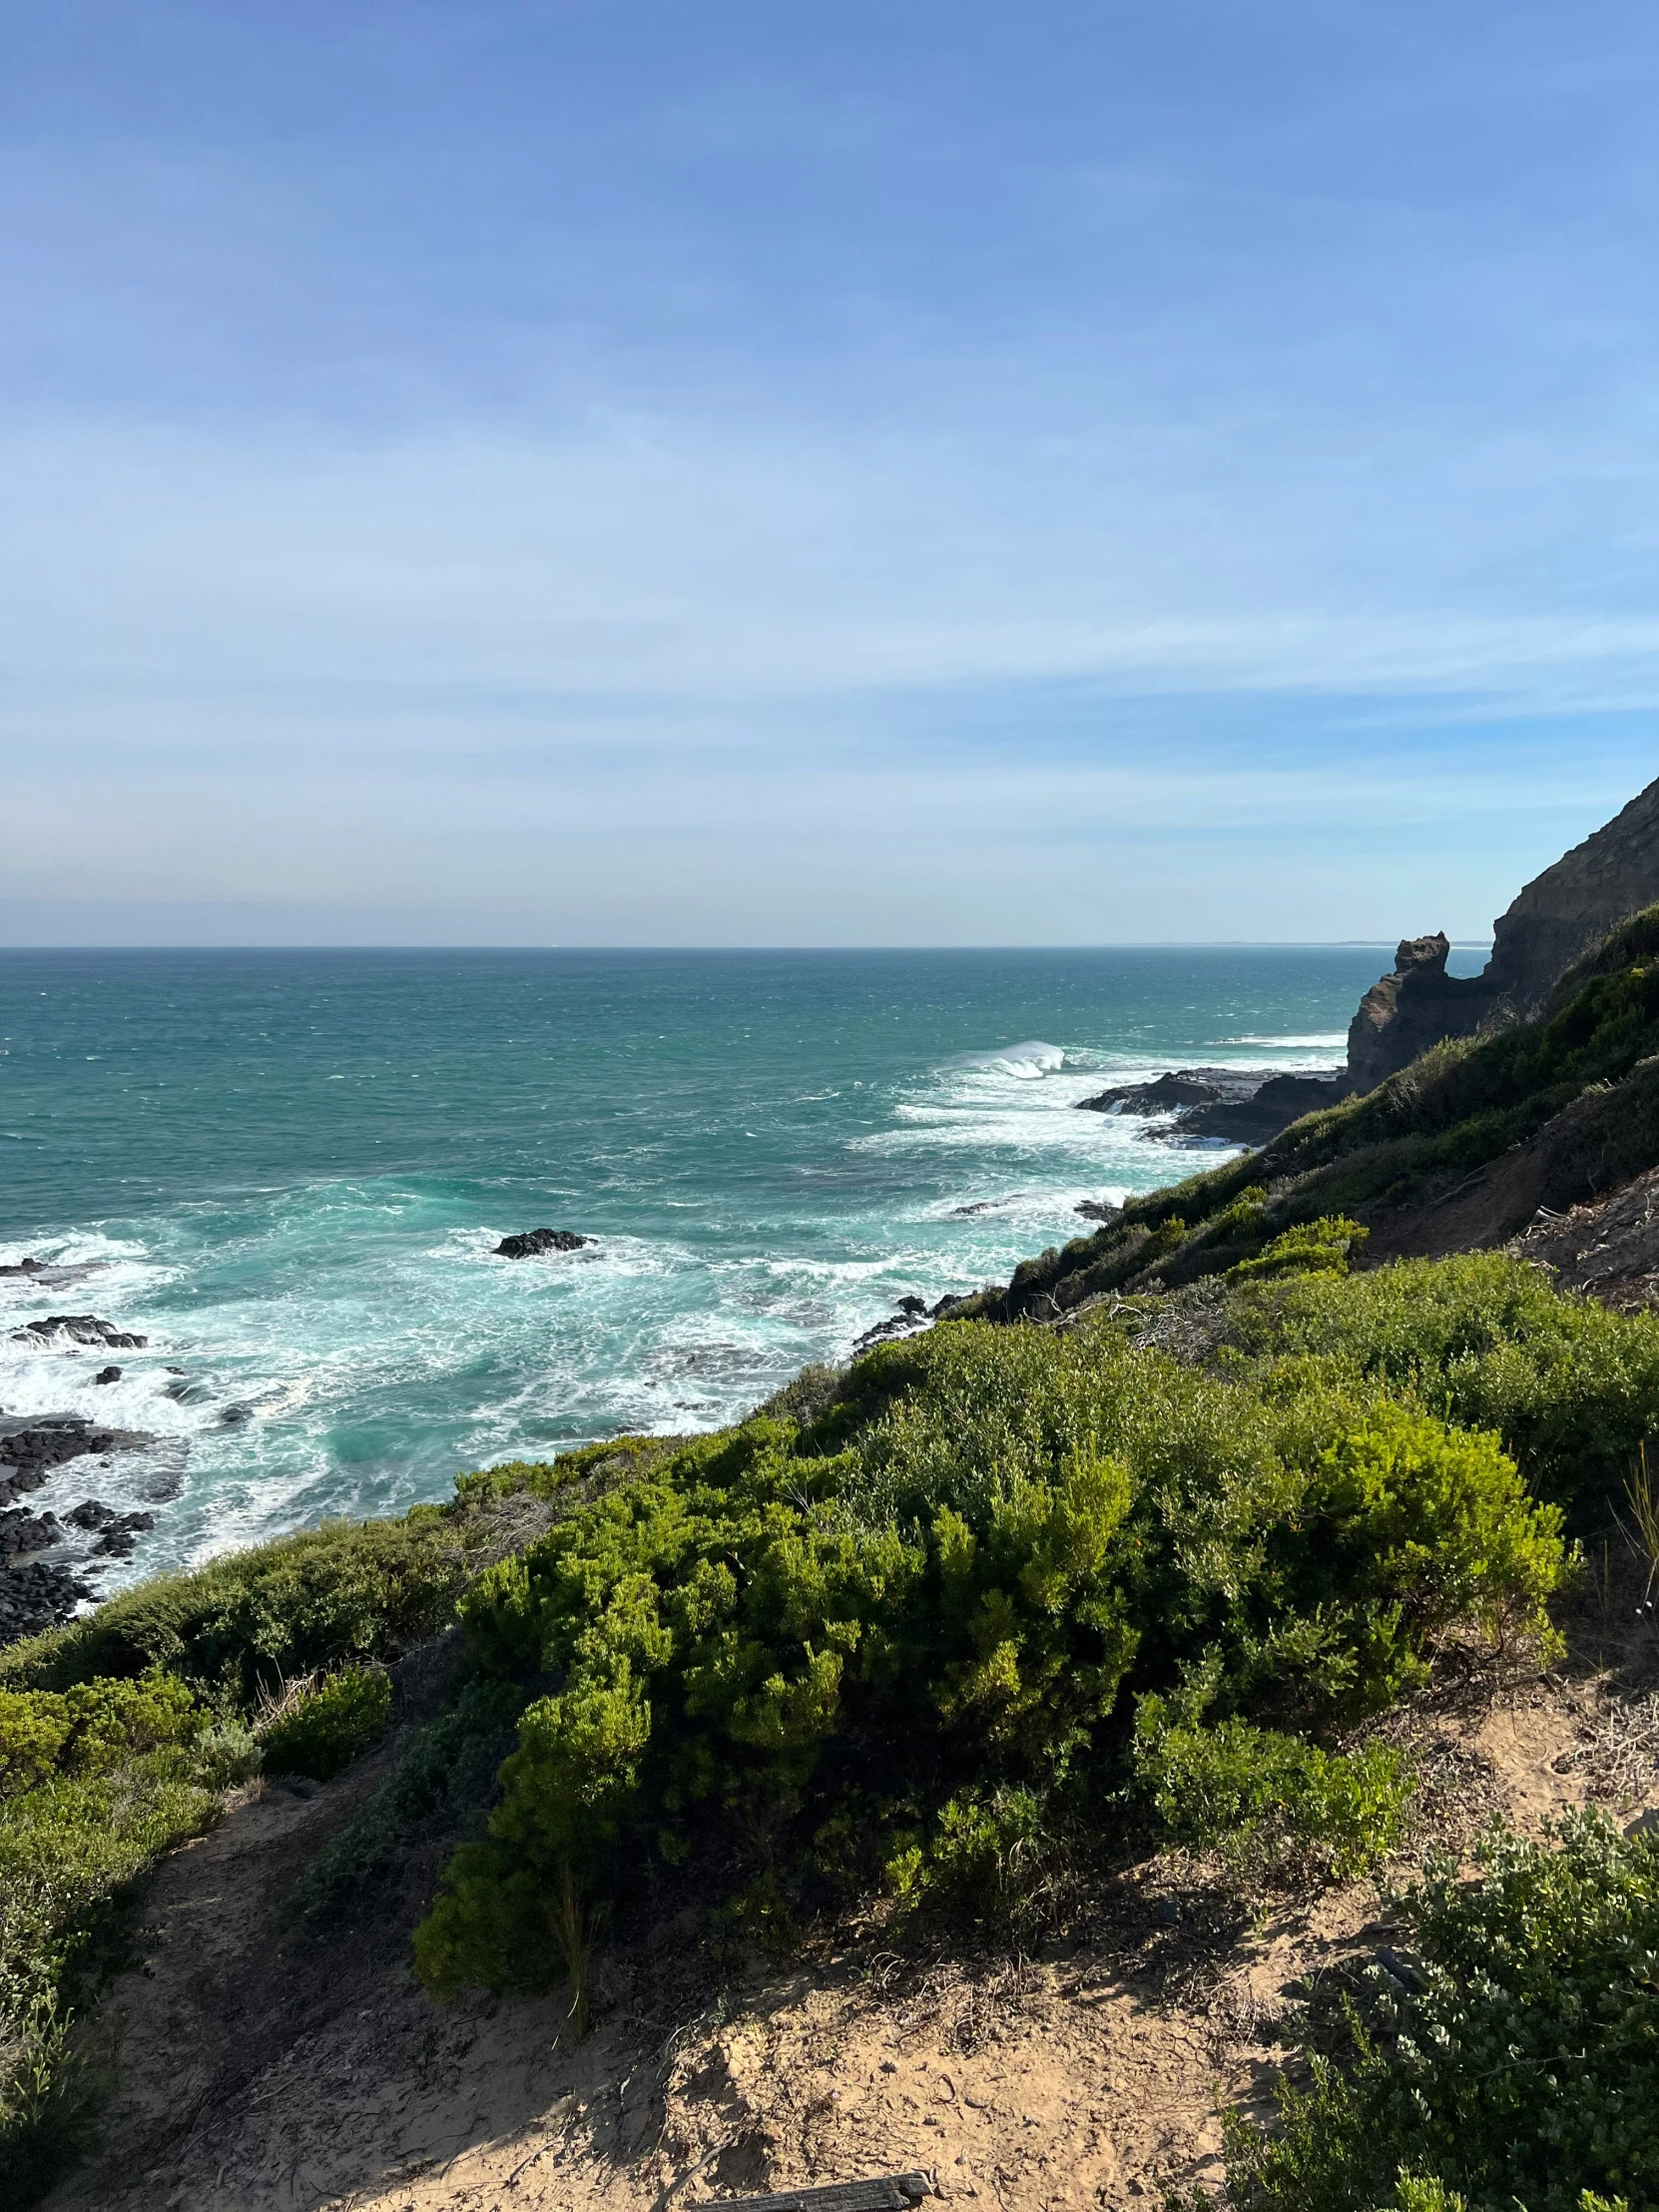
(528, 1244)
(79, 1328)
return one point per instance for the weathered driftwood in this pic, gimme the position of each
(888, 2193)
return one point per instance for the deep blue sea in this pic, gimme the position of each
(289, 1169)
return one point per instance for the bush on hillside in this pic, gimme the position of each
(319, 1728)
(1485, 1341)
(1257, 1794)
(1321, 1247)
(895, 1646)
(1522, 2069)
(94, 1783)
(346, 1593)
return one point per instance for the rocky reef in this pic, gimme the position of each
(1224, 1105)
(529, 1244)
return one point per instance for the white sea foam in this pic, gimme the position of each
(1326, 1041)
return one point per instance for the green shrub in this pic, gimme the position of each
(94, 1783)
(1321, 1247)
(1257, 1793)
(893, 1645)
(1523, 2066)
(1572, 1388)
(344, 1594)
(320, 1728)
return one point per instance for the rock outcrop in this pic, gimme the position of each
(1559, 917)
(30, 1450)
(79, 1328)
(528, 1244)
(1403, 1014)
(1232, 1105)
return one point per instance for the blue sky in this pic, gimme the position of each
(747, 473)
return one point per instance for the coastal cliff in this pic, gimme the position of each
(1557, 919)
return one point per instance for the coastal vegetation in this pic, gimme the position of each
(946, 1636)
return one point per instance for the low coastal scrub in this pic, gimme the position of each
(992, 1608)
(1009, 1594)
(95, 1782)
(120, 1733)
(237, 1630)
(1512, 2065)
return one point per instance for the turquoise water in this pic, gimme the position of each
(288, 1168)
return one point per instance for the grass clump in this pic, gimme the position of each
(1521, 2069)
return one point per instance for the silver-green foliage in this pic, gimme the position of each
(1517, 2066)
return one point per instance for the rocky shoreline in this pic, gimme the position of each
(36, 1592)
(1219, 1105)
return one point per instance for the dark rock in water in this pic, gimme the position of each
(97, 1518)
(1184, 1087)
(94, 1513)
(117, 1541)
(1233, 1105)
(37, 1595)
(234, 1415)
(530, 1241)
(980, 1206)
(51, 1273)
(108, 1375)
(22, 1532)
(1097, 1209)
(1281, 1100)
(910, 1314)
(30, 1450)
(79, 1328)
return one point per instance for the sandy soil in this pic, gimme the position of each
(261, 2069)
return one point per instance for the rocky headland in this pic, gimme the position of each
(1556, 920)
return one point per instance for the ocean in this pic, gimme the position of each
(288, 1168)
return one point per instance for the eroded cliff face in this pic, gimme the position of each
(1573, 906)
(1561, 915)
